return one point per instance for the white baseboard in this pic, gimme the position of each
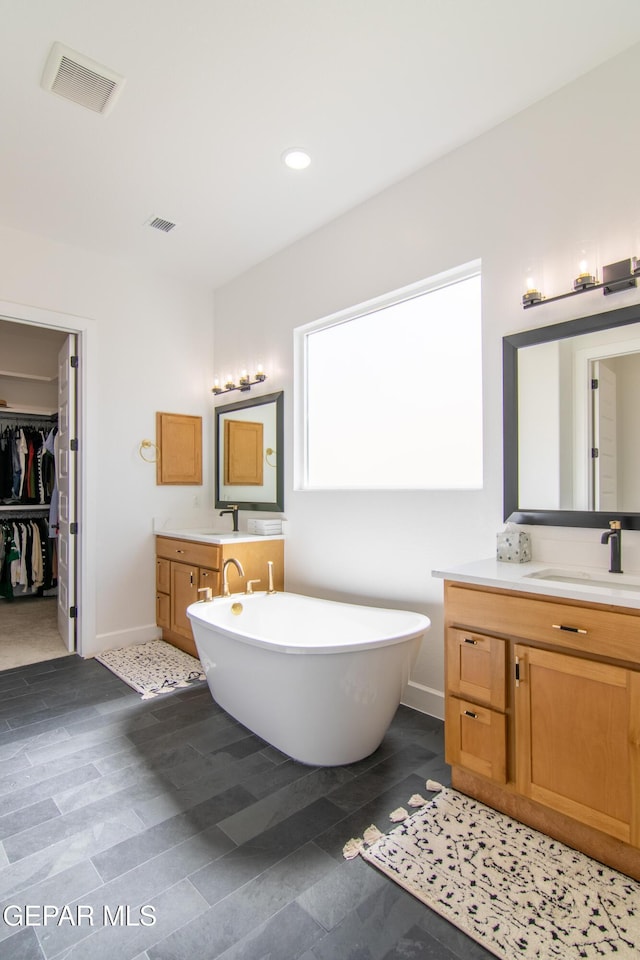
(123, 638)
(424, 699)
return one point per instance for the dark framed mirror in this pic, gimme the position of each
(571, 430)
(249, 453)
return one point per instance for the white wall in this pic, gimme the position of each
(562, 170)
(539, 417)
(151, 348)
(628, 373)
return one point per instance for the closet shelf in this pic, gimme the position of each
(28, 411)
(13, 375)
(12, 508)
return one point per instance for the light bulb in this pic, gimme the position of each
(296, 159)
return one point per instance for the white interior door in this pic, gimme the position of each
(67, 519)
(605, 464)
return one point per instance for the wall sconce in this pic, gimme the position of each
(244, 382)
(615, 277)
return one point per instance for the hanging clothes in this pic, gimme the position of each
(27, 463)
(51, 446)
(27, 557)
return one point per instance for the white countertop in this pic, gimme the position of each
(592, 586)
(211, 536)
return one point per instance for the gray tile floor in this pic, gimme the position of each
(171, 806)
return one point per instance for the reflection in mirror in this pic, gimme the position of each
(249, 446)
(571, 430)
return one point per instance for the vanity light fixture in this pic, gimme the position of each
(615, 277)
(244, 382)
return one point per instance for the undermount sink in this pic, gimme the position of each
(227, 535)
(212, 536)
(588, 578)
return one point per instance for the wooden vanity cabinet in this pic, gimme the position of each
(542, 715)
(185, 566)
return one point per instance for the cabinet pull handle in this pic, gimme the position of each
(469, 713)
(191, 579)
(179, 551)
(561, 626)
(470, 640)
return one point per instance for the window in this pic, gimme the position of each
(389, 393)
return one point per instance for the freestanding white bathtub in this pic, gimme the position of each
(317, 679)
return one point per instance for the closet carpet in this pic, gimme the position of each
(29, 631)
(171, 805)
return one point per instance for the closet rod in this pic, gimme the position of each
(20, 518)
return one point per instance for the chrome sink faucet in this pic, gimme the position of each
(225, 576)
(613, 536)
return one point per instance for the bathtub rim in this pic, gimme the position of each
(195, 613)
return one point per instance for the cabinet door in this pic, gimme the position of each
(163, 576)
(578, 739)
(179, 440)
(476, 667)
(184, 590)
(163, 610)
(476, 738)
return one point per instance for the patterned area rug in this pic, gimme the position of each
(153, 668)
(516, 891)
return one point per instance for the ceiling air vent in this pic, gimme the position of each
(75, 77)
(159, 224)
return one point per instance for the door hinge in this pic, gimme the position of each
(73, 528)
(594, 384)
(73, 361)
(595, 453)
(73, 612)
(73, 445)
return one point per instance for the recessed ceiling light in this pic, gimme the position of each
(296, 159)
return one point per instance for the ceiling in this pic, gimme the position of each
(216, 90)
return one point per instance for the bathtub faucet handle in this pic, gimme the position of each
(208, 594)
(249, 587)
(270, 587)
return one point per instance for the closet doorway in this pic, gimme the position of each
(38, 505)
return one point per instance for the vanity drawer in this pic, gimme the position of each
(476, 667)
(476, 739)
(189, 551)
(589, 629)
